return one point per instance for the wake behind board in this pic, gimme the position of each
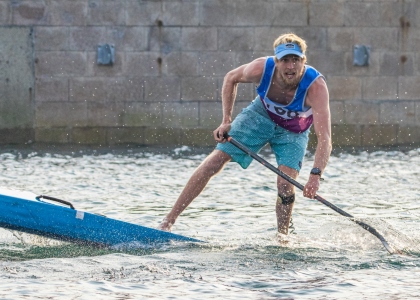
(24, 211)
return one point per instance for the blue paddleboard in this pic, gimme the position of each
(27, 212)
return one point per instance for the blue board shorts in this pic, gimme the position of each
(254, 129)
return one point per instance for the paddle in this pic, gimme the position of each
(317, 197)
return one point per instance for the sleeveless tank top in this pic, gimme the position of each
(295, 116)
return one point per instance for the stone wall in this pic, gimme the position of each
(171, 56)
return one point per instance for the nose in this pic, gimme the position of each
(290, 64)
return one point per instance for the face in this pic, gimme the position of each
(290, 69)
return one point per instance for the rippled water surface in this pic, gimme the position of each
(326, 256)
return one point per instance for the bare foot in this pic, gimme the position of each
(283, 239)
(165, 225)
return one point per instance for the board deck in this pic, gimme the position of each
(26, 212)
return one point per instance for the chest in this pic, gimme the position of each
(280, 95)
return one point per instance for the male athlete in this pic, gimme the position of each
(291, 97)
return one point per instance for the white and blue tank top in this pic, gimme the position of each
(295, 116)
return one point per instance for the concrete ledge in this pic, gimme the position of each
(17, 136)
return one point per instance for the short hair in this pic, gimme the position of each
(291, 38)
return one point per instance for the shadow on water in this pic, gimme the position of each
(28, 246)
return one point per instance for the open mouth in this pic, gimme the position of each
(290, 75)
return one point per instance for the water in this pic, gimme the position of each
(326, 257)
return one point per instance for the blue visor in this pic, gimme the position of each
(288, 48)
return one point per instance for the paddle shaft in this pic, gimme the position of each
(301, 187)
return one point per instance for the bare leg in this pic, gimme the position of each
(285, 189)
(212, 165)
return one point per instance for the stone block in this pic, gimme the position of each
(16, 77)
(216, 63)
(265, 37)
(144, 13)
(129, 38)
(379, 135)
(104, 12)
(337, 112)
(197, 137)
(346, 135)
(411, 13)
(89, 136)
(125, 135)
(245, 92)
(142, 114)
(16, 136)
(60, 63)
(68, 13)
(409, 87)
(288, 14)
(380, 88)
(244, 57)
(362, 14)
(182, 64)
(236, 39)
(327, 62)
(61, 114)
(361, 112)
(29, 12)
(165, 39)
(210, 114)
(416, 64)
(180, 115)
(199, 89)
(344, 87)
(180, 13)
(143, 64)
(56, 135)
(51, 38)
(417, 105)
(199, 38)
(398, 112)
(340, 38)
(326, 13)
(86, 38)
(315, 37)
(5, 13)
(255, 12)
(390, 13)
(162, 136)
(217, 13)
(106, 114)
(51, 89)
(377, 38)
(396, 64)
(106, 89)
(161, 89)
(408, 135)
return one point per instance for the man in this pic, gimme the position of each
(291, 97)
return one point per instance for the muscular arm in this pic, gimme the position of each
(318, 99)
(248, 73)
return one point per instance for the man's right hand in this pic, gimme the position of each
(218, 133)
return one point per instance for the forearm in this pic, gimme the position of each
(322, 152)
(229, 91)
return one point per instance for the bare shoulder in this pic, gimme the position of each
(250, 72)
(318, 93)
(256, 67)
